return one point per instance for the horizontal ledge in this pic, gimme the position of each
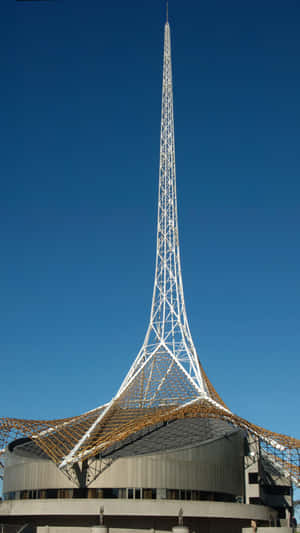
(114, 508)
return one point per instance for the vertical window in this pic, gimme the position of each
(281, 512)
(253, 478)
(161, 494)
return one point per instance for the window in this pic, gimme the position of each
(172, 494)
(68, 493)
(110, 493)
(149, 494)
(281, 512)
(253, 478)
(77, 493)
(51, 493)
(130, 493)
(255, 501)
(204, 495)
(277, 490)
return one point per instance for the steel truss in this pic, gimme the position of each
(166, 381)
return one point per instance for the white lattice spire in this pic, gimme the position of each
(166, 371)
(168, 333)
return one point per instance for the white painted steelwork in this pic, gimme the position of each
(168, 356)
(168, 332)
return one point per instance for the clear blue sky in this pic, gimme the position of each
(80, 105)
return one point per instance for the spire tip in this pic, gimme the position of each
(167, 11)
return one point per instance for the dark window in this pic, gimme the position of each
(221, 497)
(172, 494)
(277, 490)
(110, 493)
(255, 501)
(253, 477)
(51, 493)
(78, 493)
(149, 494)
(281, 512)
(203, 495)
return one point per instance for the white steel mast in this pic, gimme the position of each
(166, 371)
(168, 331)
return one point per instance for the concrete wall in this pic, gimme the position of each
(202, 526)
(23, 472)
(216, 466)
(121, 516)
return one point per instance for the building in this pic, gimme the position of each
(166, 444)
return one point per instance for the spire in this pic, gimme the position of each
(166, 373)
(168, 346)
(167, 11)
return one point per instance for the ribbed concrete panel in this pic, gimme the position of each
(25, 473)
(215, 466)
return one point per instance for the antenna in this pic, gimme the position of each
(167, 11)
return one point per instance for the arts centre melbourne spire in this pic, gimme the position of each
(166, 381)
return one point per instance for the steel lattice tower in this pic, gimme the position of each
(166, 371)
(168, 337)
